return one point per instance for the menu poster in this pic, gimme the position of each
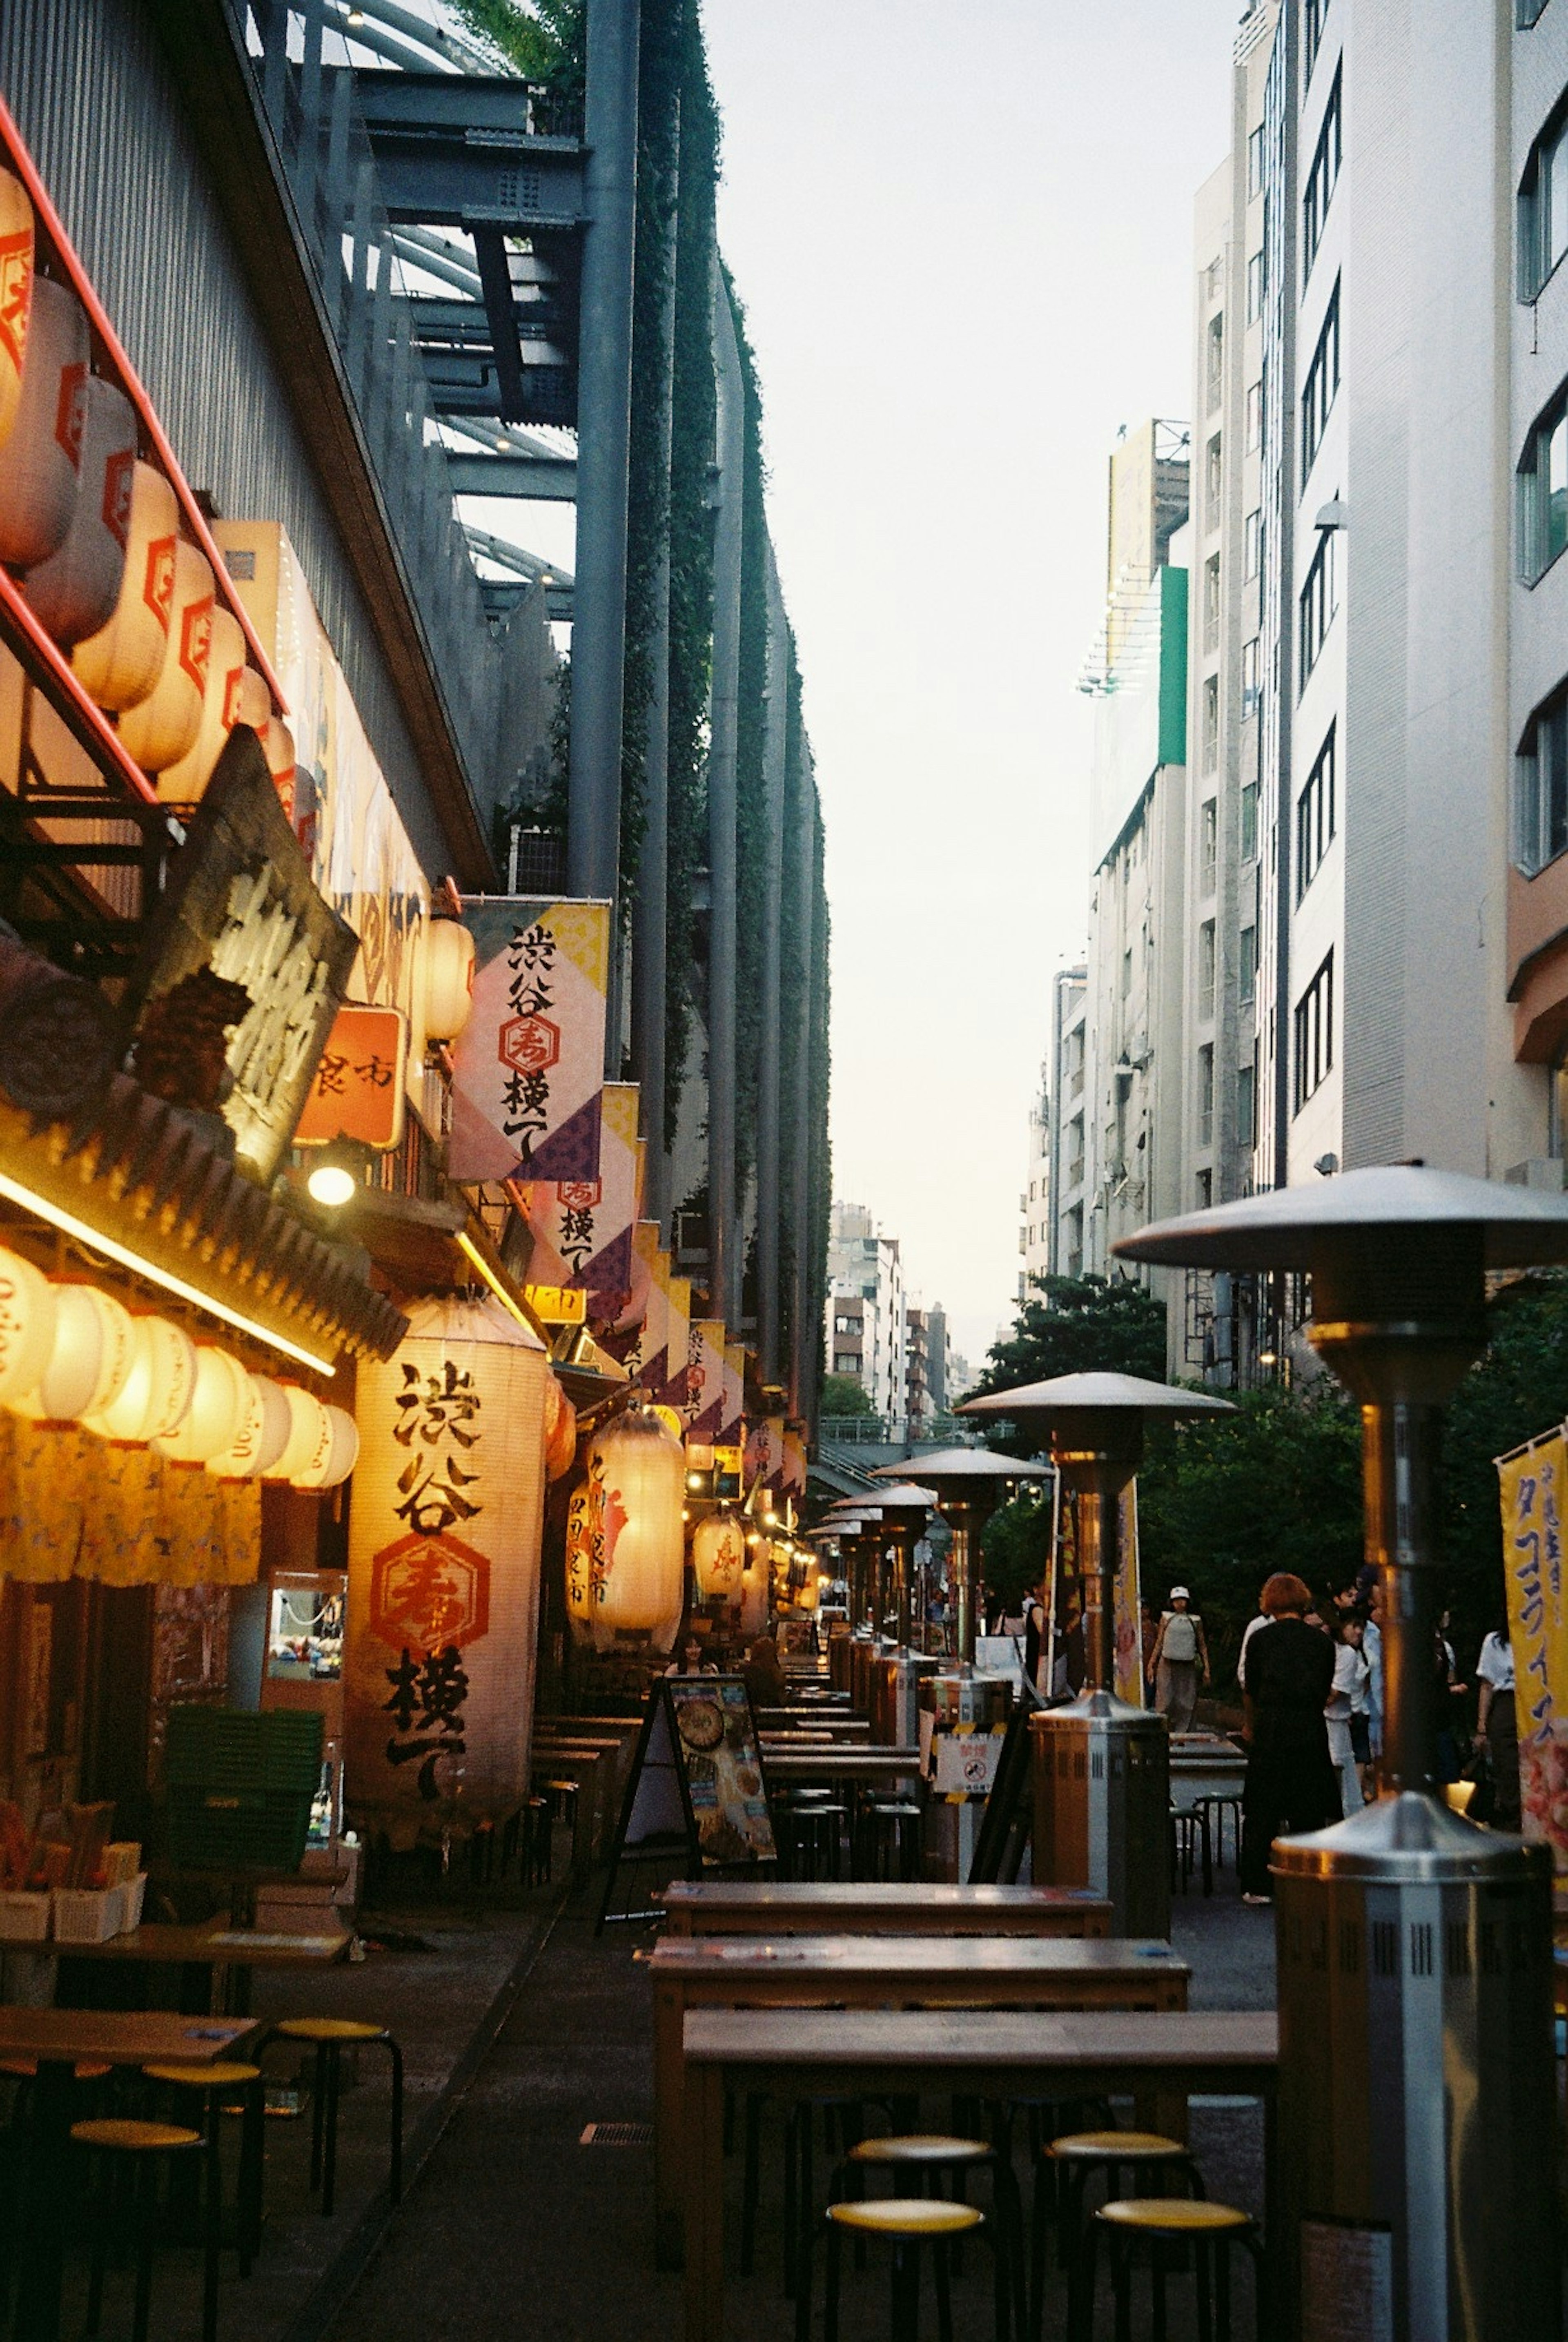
(721, 1770)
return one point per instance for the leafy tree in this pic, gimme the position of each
(1085, 1325)
(843, 1395)
(1016, 1550)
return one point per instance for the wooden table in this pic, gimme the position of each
(872, 1972)
(833, 1761)
(746, 1906)
(213, 1945)
(793, 2054)
(57, 2037)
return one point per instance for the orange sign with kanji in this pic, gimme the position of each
(429, 1593)
(359, 1086)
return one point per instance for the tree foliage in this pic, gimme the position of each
(1084, 1325)
(1518, 1388)
(1015, 1549)
(846, 1395)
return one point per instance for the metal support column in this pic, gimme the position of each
(770, 1185)
(604, 435)
(723, 1280)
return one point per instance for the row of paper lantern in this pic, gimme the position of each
(96, 533)
(730, 1566)
(71, 1354)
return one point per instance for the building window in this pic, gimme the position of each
(1214, 359)
(1255, 163)
(1212, 602)
(1315, 816)
(1206, 971)
(1211, 722)
(1205, 1190)
(1527, 13)
(1249, 678)
(1257, 285)
(1321, 383)
(1543, 491)
(1250, 822)
(1254, 418)
(1247, 966)
(1212, 482)
(1251, 545)
(1126, 975)
(1208, 843)
(1320, 179)
(1246, 1102)
(1207, 1094)
(1315, 1034)
(1543, 206)
(1541, 786)
(1317, 601)
(1312, 36)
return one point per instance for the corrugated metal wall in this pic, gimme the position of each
(86, 84)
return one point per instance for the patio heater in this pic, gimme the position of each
(969, 1705)
(1101, 1767)
(896, 1672)
(1417, 2188)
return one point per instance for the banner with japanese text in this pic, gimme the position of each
(765, 1451)
(1531, 1486)
(582, 1229)
(733, 1429)
(705, 1400)
(645, 1361)
(677, 1342)
(793, 1480)
(528, 1068)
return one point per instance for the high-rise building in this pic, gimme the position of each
(1034, 1197)
(1068, 1077)
(866, 1308)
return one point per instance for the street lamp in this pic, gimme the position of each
(1101, 1767)
(1418, 2151)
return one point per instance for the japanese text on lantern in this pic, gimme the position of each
(529, 1041)
(430, 1590)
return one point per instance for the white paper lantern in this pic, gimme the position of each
(120, 665)
(156, 1392)
(74, 594)
(625, 1542)
(718, 1557)
(754, 1591)
(448, 973)
(182, 783)
(89, 1360)
(27, 1300)
(266, 1423)
(341, 1455)
(309, 1440)
(15, 295)
(217, 1411)
(40, 459)
(163, 727)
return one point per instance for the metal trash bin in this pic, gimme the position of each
(969, 1709)
(895, 1679)
(1102, 1807)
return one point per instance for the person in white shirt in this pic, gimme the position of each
(1350, 1681)
(1262, 1620)
(1498, 1726)
(1180, 1655)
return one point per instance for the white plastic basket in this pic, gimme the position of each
(131, 1894)
(87, 1915)
(23, 1916)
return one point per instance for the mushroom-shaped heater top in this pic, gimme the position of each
(968, 1482)
(956, 1468)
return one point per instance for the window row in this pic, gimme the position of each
(1318, 602)
(1322, 383)
(1315, 816)
(1314, 1036)
(1322, 178)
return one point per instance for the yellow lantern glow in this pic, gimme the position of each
(718, 1557)
(626, 1547)
(224, 694)
(15, 294)
(265, 1427)
(163, 727)
(217, 1411)
(89, 1359)
(26, 1300)
(341, 1457)
(38, 466)
(119, 665)
(448, 956)
(754, 1592)
(156, 1392)
(74, 592)
(309, 1441)
(809, 1593)
(560, 1432)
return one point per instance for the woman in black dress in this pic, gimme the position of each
(1291, 1782)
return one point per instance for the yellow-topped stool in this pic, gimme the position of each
(140, 2151)
(907, 2222)
(1169, 2225)
(1147, 2157)
(329, 2037)
(214, 2084)
(930, 2157)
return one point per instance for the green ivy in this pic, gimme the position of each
(751, 756)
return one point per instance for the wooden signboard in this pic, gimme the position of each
(698, 1792)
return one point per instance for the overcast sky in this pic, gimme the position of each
(962, 237)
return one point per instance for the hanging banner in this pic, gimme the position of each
(704, 1399)
(444, 1566)
(793, 1480)
(1531, 1485)
(732, 1426)
(582, 1229)
(528, 1068)
(765, 1451)
(646, 1360)
(360, 1081)
(677, 1342)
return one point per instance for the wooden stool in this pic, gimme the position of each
(214, 2082)
(137, 2149)
(1147, 2156)
(890, 1839)
(927, 2157)
(908, 2222)
(1190, 1844)
(1168, 2223)
(1215, 1810)
(329, 2035)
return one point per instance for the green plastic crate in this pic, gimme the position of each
(214, 1829)
(234, 1749)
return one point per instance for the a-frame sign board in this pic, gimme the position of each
(697, 1795)
(1008, 1820)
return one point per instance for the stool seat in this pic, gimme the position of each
(25, 2070)
(922, 2148)
(1117, 2145)
(224, 2075)
(125, 2136)
(1175, 2216)
(328, 2028)
(906, 2216)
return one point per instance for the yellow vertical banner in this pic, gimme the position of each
(1531, 1486)
(1129, 1615)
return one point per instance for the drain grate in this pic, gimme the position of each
(616, 2134)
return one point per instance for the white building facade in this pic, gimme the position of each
(866, 1308)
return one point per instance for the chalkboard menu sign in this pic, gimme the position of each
(721, 1769)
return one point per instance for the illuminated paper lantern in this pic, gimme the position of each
(15, 295)
(163, 727)
(74, 592)
(341, 1457)
(444, 1563)
(39, 463)
(266, 1423)
(309, 1441)
(756, 1589)
(26, 1313)
(625, 1541)
(217, 1408)
(120, 665)
(156, 1392)
(277, 747)
(560, 1432)
(718, 1557)
(448, 978)
(89, 1359)
(234, 694)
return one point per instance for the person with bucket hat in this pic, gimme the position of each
(1180, 1655)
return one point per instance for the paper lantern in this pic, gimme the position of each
(341, 1456)
(153, 1400)
(89, 1359)
(118, 665)
(26, 1303)
(40, 459)
(74, 592)
(309, 1440)
(625, 1542)
(266, 1423)
(560, 1432)
(448, 974)
(163, 727)
(808, 1592)
(754, 1592)
(217, 1412)
(15, 295)
(443, 1547)
(228, 699)
(718, 1557)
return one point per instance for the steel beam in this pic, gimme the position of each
(544, 479)
(723, 1271)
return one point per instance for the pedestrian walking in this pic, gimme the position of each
(1291, 1782)
(1179, 1657)
(1498, 1725)
(1350, 1680)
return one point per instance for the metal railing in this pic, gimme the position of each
(895, 1431)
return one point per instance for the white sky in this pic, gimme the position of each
(962, 237)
